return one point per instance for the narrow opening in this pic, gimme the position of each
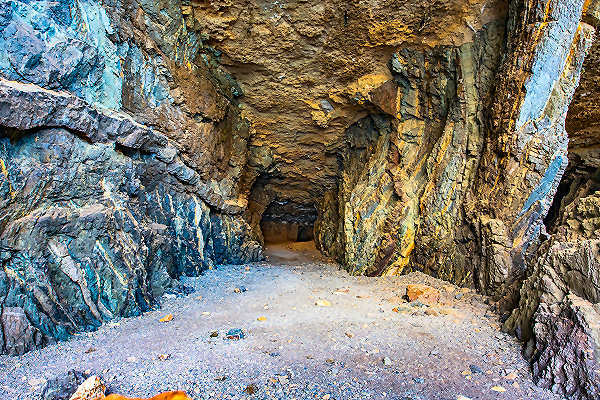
(285, 222)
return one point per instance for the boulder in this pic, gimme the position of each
(19, 335)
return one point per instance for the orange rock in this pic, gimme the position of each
(425, 294)
(163, 396)
(166, 318)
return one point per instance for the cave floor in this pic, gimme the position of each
(301, 350)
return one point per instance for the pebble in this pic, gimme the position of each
(387, 361)
(235, 334)
(251, 389)
(475, 369)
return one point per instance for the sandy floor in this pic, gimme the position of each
(300, 350)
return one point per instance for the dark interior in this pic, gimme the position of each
(284, 222)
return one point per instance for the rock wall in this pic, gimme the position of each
(557, 314)
(405, 197)
(463, 185)
(121, 150)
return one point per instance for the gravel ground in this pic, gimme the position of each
(299, 350)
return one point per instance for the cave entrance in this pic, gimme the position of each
(288, 222)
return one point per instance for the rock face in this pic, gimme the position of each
(141, 141)
(105, 200)
(566, 348)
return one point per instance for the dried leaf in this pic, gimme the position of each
(323, 303)
(166, 318)
(261, 318)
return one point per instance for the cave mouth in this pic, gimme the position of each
(288, 222)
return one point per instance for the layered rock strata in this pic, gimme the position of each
(120, 153)
(140, 141)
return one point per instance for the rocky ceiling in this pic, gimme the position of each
(306, 68)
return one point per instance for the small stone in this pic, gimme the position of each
(221, 378)
(475, 369)
(419, 380)
(166, 318)
(499, 389)
(449, 288)
(461, 397)
(511, 377)
(459, 296)
(425, 294)
(214, 334)
(387, 361)
(91, 389)
(251, 389)
(235, 334)
(62, 387)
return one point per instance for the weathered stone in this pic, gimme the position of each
(423, 136)
(19, 336)
(423, 293)
(62, 388)
(567, 346)
(91, 389)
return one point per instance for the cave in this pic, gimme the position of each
(300, 177)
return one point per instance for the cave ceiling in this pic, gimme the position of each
(305, 69)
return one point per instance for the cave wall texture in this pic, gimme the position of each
(145, 140)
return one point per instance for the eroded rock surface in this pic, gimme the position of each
(99, 217)
(566, 348)
(143, 141)
(114, 183)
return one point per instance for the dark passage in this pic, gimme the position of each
(288, 222)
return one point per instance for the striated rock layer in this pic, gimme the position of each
(121, 149)
(142, 141)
